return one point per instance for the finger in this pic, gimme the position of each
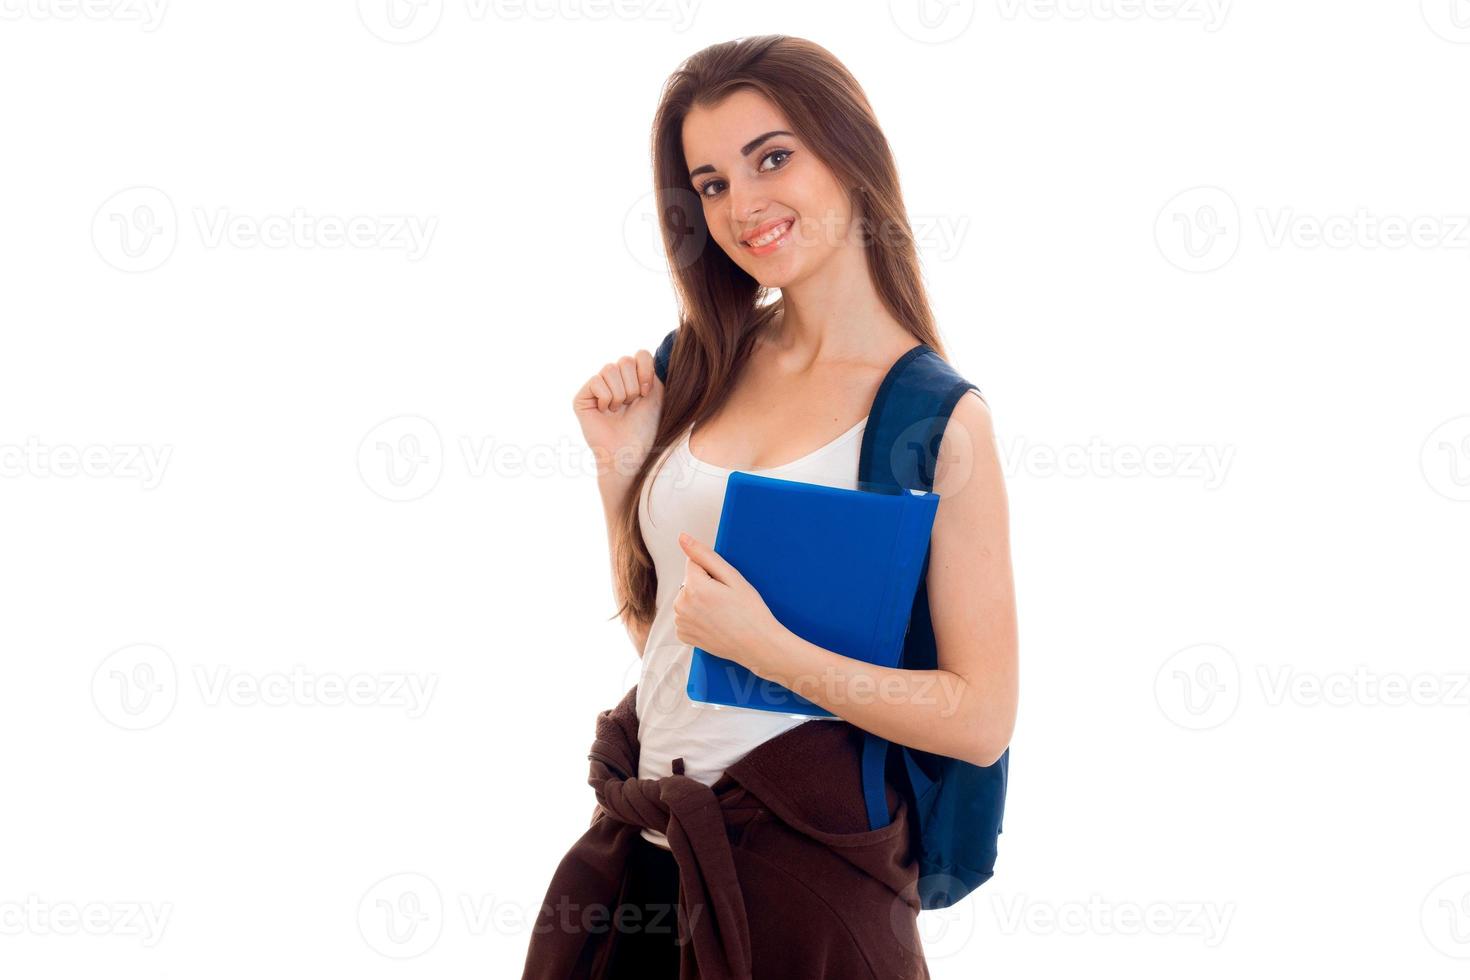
(601, 392)
(629, 369)
(613, 375)
(693, 571)
(708, 560)
(646, 374)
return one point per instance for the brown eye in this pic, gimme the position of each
(775, 153)
(704, 189)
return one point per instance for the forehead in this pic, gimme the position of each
(715, 133)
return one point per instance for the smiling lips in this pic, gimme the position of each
(769, 237)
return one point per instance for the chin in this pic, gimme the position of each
(774, 278)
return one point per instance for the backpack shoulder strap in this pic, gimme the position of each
(907, 421)
(900, 452)
(661, 356)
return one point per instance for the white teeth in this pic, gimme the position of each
(770, 236)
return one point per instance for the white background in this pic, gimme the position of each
(1162, 232)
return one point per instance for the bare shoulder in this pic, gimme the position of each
(968, 458)
(972, 409)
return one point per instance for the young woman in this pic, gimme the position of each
(772, 174)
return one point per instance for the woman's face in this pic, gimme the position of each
(752, 175)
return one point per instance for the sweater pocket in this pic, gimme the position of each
(812, 917)
(747, 833)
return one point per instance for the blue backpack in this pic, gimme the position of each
(956, 806)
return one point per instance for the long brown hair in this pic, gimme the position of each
(722, 309)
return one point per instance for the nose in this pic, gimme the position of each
(747, 201)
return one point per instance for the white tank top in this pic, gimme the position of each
(687, 495)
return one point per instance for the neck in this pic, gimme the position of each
(835, 314)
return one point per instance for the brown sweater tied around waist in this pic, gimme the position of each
(779, 877)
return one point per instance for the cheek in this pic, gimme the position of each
(718, 223)
(829, 222)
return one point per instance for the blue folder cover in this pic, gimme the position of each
(837, 567)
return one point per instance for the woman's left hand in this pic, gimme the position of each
(719, 611)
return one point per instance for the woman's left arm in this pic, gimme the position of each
(966, 709)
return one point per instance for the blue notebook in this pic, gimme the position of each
(837, 567)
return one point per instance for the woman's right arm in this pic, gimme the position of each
(618, 410)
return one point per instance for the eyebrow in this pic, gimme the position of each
(745, 151)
